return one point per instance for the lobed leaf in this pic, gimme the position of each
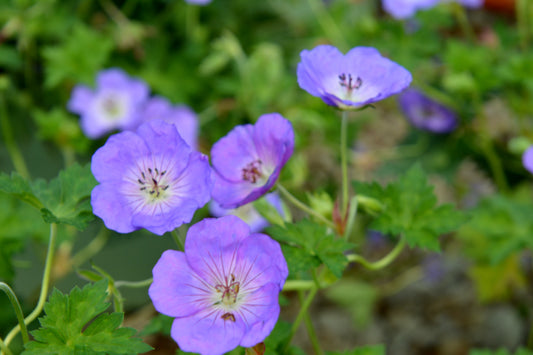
(75, 324)
(65, 199)
(409, 208)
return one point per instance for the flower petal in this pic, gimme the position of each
(110, 206)
(176, 290)
(207, 333)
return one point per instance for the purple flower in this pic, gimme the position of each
(248, 213)
(425, 113)
(527, 159)
(185, 120)
(248, 161)
(223, 290)
(402, 9)
(350, 81)
(198, 2)
(115, 104)
(149, 179)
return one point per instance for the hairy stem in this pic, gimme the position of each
(18, 310)
(296, 285)
(134, 284)
(4, 349)
(383, 262)
(91, 249)
(344, 163)
(297, 203)
(303, 311)
(311, 329)
(44, 287)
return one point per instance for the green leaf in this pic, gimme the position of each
(311, 242)
(409, 208)
(500, 226)
(365, 350)
(75, 324)
(83, 52)
(64, 200)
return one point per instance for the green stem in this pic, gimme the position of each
(495, 164)
(380, 264)
(9, 141)
(303, 311)
(344, 162)
(328, 24)
(91, 249)
(352, 213)
(311, 329)
(134, 284)
(304, 207)
(44, 287)
(177, 239)
(297, 285)
(4, 348)
(462, 19)
(18, 310)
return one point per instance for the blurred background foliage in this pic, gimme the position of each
(232, 61)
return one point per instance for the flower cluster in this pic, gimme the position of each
(120, 102)
(350, 81)
(223, 290)
(425, 113)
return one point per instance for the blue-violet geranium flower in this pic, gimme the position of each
(114, 104)
(527, 159)
(149, 179)
(402, 9)
(350, 81)
(223, 290)
(185, 120)
(427, 114)
(247, 162)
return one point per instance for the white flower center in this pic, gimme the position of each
(111, 106)
(349, 84)
(153, 184)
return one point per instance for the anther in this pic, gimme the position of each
(228, 316)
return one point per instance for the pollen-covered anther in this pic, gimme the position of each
(348, 82)
(252, 171)
(228, 316)
(152, 182)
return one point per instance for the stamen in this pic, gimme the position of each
(252, 171)
(350, 84)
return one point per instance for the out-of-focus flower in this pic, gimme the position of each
(403, 9)
(149, 179)
(248, 160)
(223, 290)
(425, 113)
(527, 159)
(185, 120)
(248, 213)
(198, 2)
(114, 104)
(350, 81)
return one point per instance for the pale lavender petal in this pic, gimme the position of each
(80, 99)
(233, 152)
(207, 333)
(274, 138)
(111, 207)
(176, 290)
